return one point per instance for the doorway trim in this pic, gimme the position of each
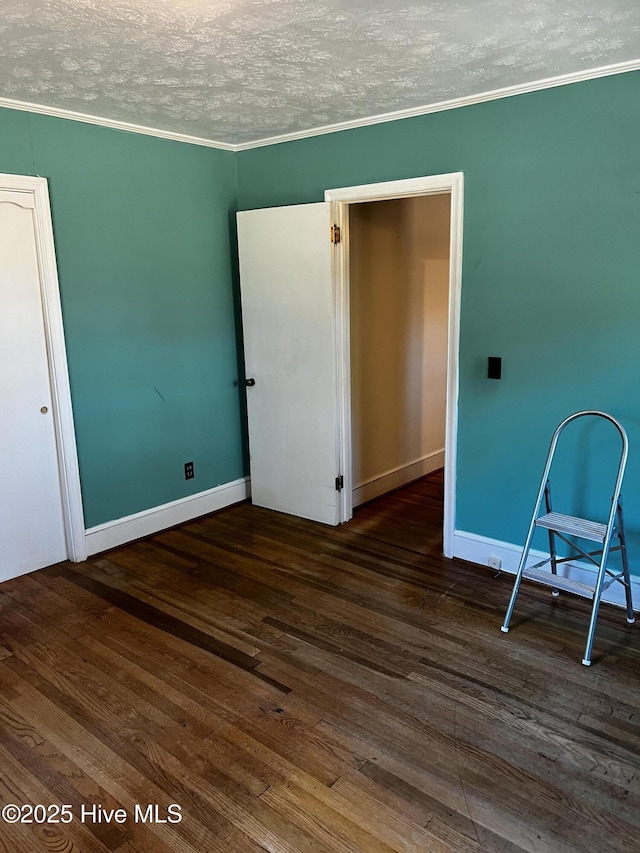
(36, 196)
(453, 184)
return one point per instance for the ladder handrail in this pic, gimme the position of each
(622, 464)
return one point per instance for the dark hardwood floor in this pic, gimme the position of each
(301, 689)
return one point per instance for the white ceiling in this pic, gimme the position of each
(241, 70)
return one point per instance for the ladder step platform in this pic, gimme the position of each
(573, 526)
(558, 582)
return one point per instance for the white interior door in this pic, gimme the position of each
(32, 533)
(289, 344)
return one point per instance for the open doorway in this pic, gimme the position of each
(448, 189)
(399, 297)
(296, 324)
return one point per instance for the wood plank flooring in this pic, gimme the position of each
(301, 689)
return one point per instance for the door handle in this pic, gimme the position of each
(249, 382)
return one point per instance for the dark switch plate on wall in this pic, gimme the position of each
(494, 367)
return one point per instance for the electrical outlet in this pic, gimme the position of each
(188, 471)
(494, 562)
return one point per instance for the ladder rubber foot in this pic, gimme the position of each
(631, 621)
(555, 593)
(504, 630)
(586, 662)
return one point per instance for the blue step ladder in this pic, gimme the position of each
(563, 526)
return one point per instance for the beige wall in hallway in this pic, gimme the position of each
(399, 253)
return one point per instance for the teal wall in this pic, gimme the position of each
(142, 232)
(551, 275)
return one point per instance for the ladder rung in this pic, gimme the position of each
(573, 526)
(558, 582)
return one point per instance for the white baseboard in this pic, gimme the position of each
(477, 549)
(397, 477)
(150, 521)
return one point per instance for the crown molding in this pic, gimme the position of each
(440, 106)
(454, 103)
(85, 118)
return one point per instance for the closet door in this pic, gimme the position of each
(289, 344)
(32, 531)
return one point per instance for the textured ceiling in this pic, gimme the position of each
(241, 70)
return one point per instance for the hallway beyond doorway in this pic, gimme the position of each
(409, 517)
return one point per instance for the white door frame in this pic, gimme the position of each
(453, 184)
(36, 197)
